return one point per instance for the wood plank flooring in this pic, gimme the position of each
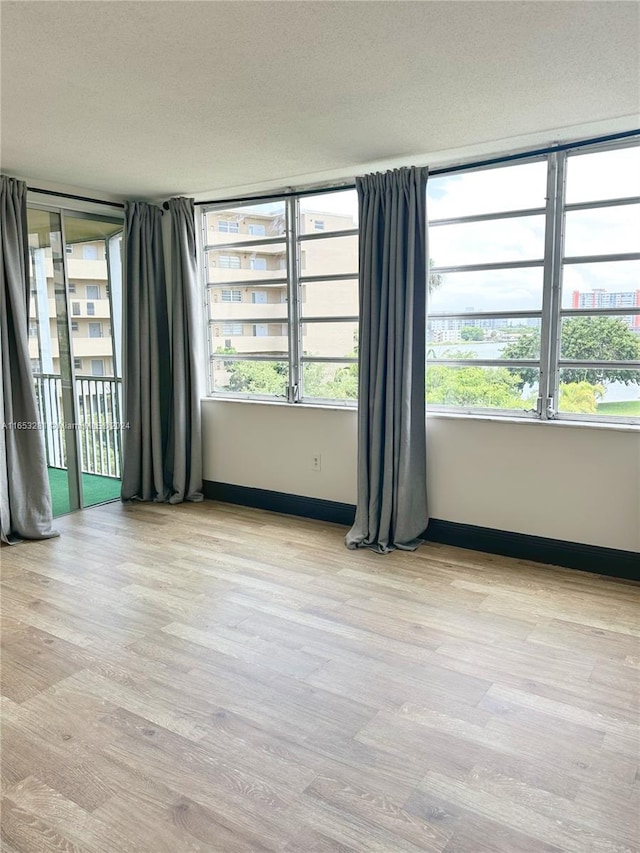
(214, 679)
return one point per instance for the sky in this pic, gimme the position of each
(590, 177)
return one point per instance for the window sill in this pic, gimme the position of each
(501, 419)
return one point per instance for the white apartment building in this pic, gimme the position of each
(248, 286)
(89, 311)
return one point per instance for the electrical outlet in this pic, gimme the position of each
(316, 462)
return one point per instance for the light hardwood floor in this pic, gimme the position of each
(214, 678)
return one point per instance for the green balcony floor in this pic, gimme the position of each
(95, 489)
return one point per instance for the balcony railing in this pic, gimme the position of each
(98, 402)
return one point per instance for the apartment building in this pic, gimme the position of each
(600, 298)
(247, 282)
(89, 310)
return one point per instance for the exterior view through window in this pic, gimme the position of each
(534, 291)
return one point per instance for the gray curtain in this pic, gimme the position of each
(146, 367)
(184, 454)
(392, 499)
(25, 497)
(162, 458)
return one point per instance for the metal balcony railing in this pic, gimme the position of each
(98, 402)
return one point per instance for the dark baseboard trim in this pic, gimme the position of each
(539, 549)
(522, 546)
(317, 508)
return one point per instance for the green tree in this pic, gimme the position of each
(580, 397)
(491, 387)
(472, 333)
(526, 346)
(342, 386)
(584, 338)
(600, 339)
(255, 377)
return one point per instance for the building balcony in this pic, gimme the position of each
(225, 311)
(252, 345)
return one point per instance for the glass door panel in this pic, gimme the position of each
(93, 267)
(50, 361)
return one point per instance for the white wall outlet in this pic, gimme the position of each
(316, 462)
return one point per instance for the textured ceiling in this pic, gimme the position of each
(157, 98)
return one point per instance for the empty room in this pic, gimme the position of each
(320, 456)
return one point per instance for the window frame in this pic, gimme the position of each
(550, 314)
(292, 280)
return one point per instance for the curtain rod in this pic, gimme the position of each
(448, 170)
(76, 197)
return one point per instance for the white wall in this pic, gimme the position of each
(580, 484)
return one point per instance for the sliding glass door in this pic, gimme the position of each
(75, 322)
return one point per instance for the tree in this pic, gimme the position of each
(272, 377)
(257, 377)
(580, 397)
(584, 338)
(526, 346)
(472, 333)
(491, 387)
(600, 339)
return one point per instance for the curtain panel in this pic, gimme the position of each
(391, 498)
(162, 459)
(184, 452)
(25, 497)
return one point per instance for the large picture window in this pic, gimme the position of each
(533, 302)
(283, 319)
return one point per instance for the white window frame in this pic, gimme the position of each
(230, 295)
(229, 262)
(292, 279)
(550, 314)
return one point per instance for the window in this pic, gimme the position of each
(74, 325)
(75, 309)
(597, 334)
(72, 287)
(93, 291)
(261, 362)
(91, 309)
(95, 330)
(77, 363)
(533, 302)
(228, 227)
(90, 252)
(498, 337)
(33, 330)
(97, 367)
(69, 250)
(229, 262)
